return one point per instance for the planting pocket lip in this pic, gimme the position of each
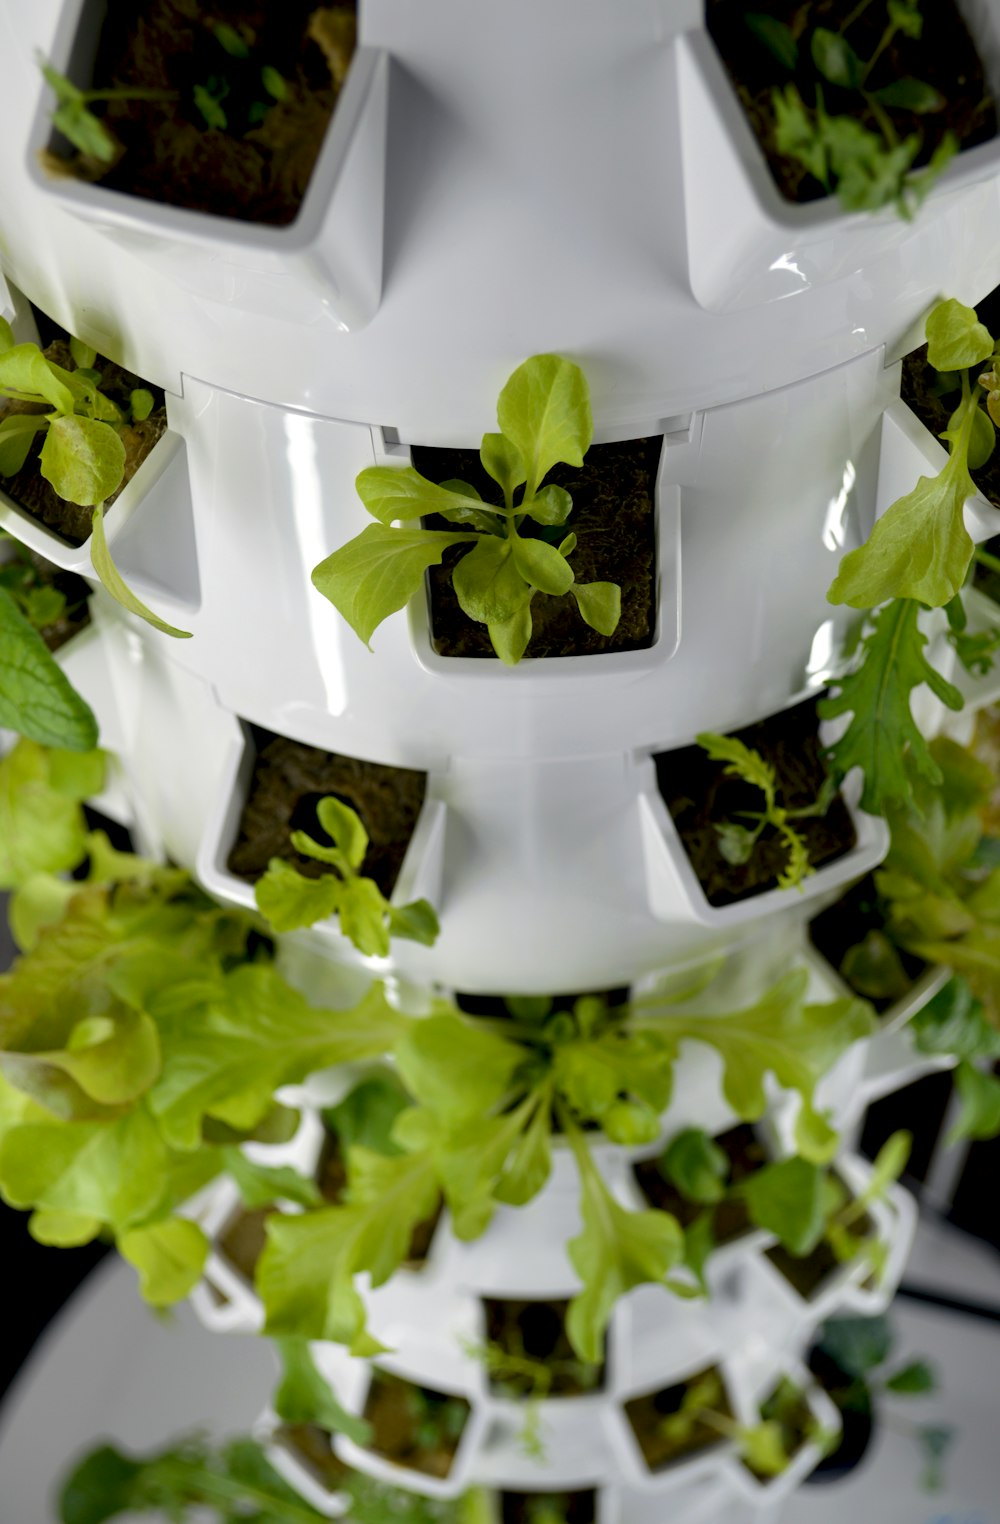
(747, 246)
(675, 891)
(333, 247)
(420, 874)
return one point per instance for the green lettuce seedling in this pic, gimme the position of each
(289, 900)
(867, 167)
(82, 455)
(544, 417)
(920, 548)
(737, 841)
(761, 1445)
(81, 126)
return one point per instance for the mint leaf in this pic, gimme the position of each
(36, 698)
(417, 922)
(857, 1345)
(883, 738)
(378, 572)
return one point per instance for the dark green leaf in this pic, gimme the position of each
(910, 95)
(979, 1094)
(857, 1346)
(303, 1397)
(913, 1379)
(36, 698)
(778, 38)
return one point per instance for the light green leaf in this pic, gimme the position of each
(16, 435)
(38, 902)
(304, 1397)
(509, 637)
(982, 440)
(787, 1199)
(83, 355)
(698, 1167)
(114, 583)
(83, 459)
(344, 827)
(616, 1251)
(378, 572)
(288, 900)
(363, 917)
(600, 605)
(919, 548)
(63, 1230)
(541, 566)
(113, 1057)
(416, 922)
(169, 1257)
(488, 584)
(551, 505)
(741, 762)
(544, 410)
(763, 1447)
(979, 1094)
(227, 1052)
(399, 492)
(261, 1184)
(455, 1068)
(25, 373)
(36, 698)
(7, 340)
(42, 830)
(112, 1171)
(956, 338)
(502, 460)
(882, 738)
(141, 403)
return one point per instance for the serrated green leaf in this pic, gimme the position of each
(37, 700)
(882, 738)
(169, 1257)
(741, 762)
(544, 411)
(289, 900)
(114, 583)
(953, 1021)
(956, 338)
(378, 572)
(112, 1057)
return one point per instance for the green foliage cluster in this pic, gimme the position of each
(37, 700)
(82, 455)
(488, 1098)
(800, 1201)
(737, 841)
(762, 1446)
(868, 167)
(544, 417)
(288, 899)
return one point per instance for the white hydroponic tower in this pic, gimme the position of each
(572, 176)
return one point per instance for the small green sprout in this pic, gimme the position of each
(737, 841)
(290, 900)
(87, 132)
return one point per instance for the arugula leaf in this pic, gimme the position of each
(788, 1200)
(616, 1251)
(882, 737)
(169, 1257)
(229, 1042)
(378, 572)
(36, 698)
(303, 1396)
(42, 829)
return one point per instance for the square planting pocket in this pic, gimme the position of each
(413, 1426)
(614, 520)
(548, 1507)
(745, 1155)
(674, 1425)
(529, 1355)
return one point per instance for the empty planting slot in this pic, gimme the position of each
(288, 780)
(660, 1185)
(414, 1426)
(709, 806)
(675, 1424)
(529, 1355)
(614, 520)
(243, 1239)
(943, 58)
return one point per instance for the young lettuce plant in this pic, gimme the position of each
(82, 455)
(704, 1405)
(869, 167)
(920, 549)
(544, 417)
(289, 900)
(737, 841)
(37, 700)
(489, 1097)
(143, 1034)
